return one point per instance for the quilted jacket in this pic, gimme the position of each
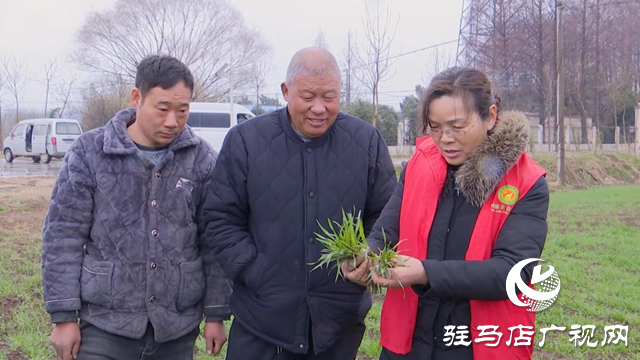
(122, 241)
(269, 190)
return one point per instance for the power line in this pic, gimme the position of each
(274, 78)
(425, 48)
(410, 52)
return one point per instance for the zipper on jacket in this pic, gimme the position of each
(456, 188)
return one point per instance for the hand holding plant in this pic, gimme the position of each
(346, 246)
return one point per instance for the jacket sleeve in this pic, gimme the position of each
(382, 181)
(218, 288)
(226, 210)
(389, 220)
(522, 237)
(65, 232)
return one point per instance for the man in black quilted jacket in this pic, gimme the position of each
(277, 175)
(122, 245)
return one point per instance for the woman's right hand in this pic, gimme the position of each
(357, 274)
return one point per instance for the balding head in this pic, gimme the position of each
(312, 91)
(315, 62)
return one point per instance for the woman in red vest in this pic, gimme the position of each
(470, 204)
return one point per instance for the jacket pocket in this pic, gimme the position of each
(180, 201)
(96, 282)
(252, 273)
(192, 284)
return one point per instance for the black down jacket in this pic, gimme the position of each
(268, 191)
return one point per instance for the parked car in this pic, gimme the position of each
(41, 139)
(212, 121)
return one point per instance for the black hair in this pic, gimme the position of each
(473, 85)
(162, 71)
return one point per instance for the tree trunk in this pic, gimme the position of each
(17, 109)
(616, 139)
(348, 85)
(596, 114)
(46, 100)
(541, 73)
(555, 132)
(375, 106)
(257, 97)
(583, 53)
(550, 134)
(624, 128)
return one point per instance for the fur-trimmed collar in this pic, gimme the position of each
(480, 174)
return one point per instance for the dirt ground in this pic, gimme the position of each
(33, 194)
(32, 198)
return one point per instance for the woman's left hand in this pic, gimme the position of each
(410, 273)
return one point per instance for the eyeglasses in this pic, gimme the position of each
(453, 132)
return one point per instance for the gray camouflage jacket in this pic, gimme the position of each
(123, 239)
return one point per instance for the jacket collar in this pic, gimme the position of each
(480, 174)
(118, 142)
(285, 122)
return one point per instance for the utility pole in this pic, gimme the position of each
(228, 74)
(560, 100)
(234, 118)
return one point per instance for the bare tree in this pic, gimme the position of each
(14, 79)
(260, 70)
(321, 40)
(596, 112)
(537, 59)
(583, 76)
(549, 98)
(204, 34)
(62, 93)
(514, 41)
(50, 69)
(349, 66)
(438, 60)
(375, 61)
(505, 49)
(102, 99)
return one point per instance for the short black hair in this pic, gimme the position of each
(163, 71)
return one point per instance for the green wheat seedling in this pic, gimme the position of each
(342, 242)
(382, 262)
(346, 242)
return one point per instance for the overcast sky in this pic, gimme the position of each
(38, 30)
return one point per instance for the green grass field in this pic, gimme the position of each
(594, 238)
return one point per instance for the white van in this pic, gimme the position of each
(41, 139)
(212, 121)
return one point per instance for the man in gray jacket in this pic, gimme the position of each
(122, 245)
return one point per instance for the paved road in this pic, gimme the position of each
(27, 168)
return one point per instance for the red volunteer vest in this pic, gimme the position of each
(425, 176)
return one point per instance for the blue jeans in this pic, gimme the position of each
(97, 344)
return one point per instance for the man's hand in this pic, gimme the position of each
(216, 335)
(65, 338)
(410, 273)
(357, 274)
